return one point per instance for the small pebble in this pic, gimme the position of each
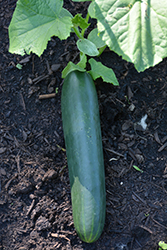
(55, 67)
(36, 147)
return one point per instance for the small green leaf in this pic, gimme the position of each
(71, 67)
(19, 66)
(87, 47)
(95, 37)
(100, 70)
(57, 90)
(83, 60)
(78, 20)
(137, 168)
(91, 10)
(163, 245)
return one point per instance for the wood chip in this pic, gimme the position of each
(157, 138)
(16, 142)
(114, 152)
(134, 196)
(49, 175)
(22, 103)
(130, 144)
(158, 223)
(17, 158)
(132, 154)
(30, 207)
(126, 125)
(24, 135)
(55, 67)
(47, 96)
(146, 228)
(122, 146)
(164, 139)
(2, 171)
(25, 60)
(57, 245)
(139, 158)
(162, 147)
(130, 93)
(2, 150)
(39, 79)
(59, 236)
(8, 183)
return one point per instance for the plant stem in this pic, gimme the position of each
(102, 49)
(86, 19)
(77, 32)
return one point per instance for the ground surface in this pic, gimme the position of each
(35, 205)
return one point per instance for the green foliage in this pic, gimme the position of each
(87, 47)
(91, 10)
(99, 70)
(33, 24)
(136, 30)
(96, 38)
(78, 20)
(71, 67)
(19, 66)
(83, 61)
(80, 0)
(137, 168)
(162, 245)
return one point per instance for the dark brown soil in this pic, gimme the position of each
(35, 205)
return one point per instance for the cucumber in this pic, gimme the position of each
(82, 134)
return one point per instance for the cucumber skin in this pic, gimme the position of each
(82, 134)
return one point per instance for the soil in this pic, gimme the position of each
(35, 204)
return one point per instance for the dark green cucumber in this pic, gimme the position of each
(82, 133)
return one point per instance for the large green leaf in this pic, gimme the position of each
(134, 29)
(34, 22)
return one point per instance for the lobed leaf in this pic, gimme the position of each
(78, 20)
(100, 70)
(83, 61)
(71, 67)
(34, 22)
(134, 29)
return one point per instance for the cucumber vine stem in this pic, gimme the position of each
(86, 19)
(102, 49)
(77, 32)
(80, 35)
